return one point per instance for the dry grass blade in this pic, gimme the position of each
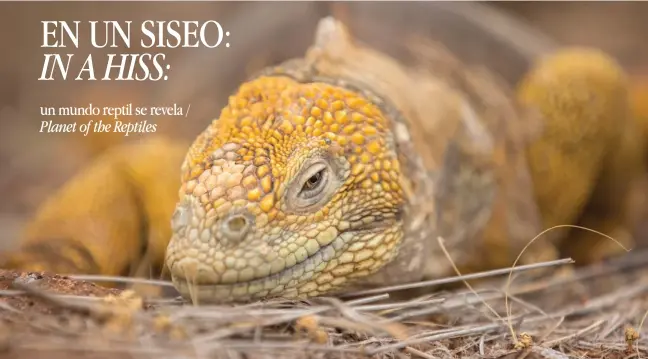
(579, 333)
(460, 278)
(419, 353)
(120, 279)
(398, 305)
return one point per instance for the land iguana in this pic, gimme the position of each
(340, 169)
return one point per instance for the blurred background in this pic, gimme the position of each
(504, 36)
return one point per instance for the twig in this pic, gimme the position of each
(399, 305)
(614, 323)
(81, 298)
(554, 342)
(119, 279)
(366, 300)
(455, 279)
(419, 353)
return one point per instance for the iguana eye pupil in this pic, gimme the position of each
(313, 180)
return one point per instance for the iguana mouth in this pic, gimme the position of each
(287, 283)
(283, 282)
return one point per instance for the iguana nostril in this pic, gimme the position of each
(236, 226)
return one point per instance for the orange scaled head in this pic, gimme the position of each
(293, 191)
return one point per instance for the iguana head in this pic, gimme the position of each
(293, 191)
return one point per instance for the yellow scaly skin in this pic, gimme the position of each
(298, 189)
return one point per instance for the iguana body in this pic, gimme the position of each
(343, 167)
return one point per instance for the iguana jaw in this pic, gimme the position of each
(345, 260)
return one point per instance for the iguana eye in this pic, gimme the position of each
(316, 182)
(313, 186)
